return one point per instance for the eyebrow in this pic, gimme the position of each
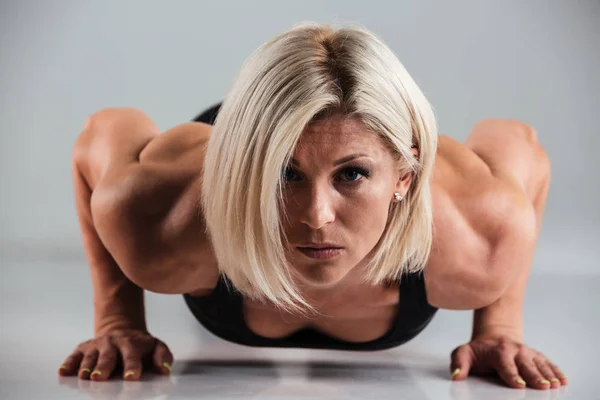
(340, 161)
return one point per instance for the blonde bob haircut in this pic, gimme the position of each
(293, 80)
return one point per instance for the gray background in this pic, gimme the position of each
(60, 61)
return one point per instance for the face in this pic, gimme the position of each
(344, 202)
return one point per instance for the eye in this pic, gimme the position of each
(350, 173)
(353, 171)
(286, 174)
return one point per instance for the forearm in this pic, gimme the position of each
(505, 315)
(118, 302)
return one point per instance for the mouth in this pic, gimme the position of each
(321, 253)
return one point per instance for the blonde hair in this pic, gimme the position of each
(296, 78)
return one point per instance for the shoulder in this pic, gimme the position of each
(479, 215)
(176, 143)
(167, 167)
(163, 188)
(158, 199)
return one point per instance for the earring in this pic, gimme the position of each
(397, 196)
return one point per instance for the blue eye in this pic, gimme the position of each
(351, 172)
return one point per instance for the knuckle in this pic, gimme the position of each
(529, 366)
(506, 366)
(82, 346)
(539, 360)
(132, 362)
(108, 358)
(89, 356)
(102, 341)
(503, 346)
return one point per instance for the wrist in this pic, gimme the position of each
(118, 322)
(497, 331)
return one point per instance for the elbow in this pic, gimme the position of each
(464, 291)
(166, 274)
(491, 291)
(155, 278)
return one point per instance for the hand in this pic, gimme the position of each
(133, 349)
(516, 363)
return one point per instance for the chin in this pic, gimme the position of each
(321, 276)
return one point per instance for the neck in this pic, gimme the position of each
(320, 295)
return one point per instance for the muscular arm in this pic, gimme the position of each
(145, 208)
(522, 161)
(118, 302)
(483, 214)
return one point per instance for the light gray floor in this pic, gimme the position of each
(46, 310)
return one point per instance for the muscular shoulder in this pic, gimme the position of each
(477, 213)
(159, 198)
(489, 176)
(168, 168)
(465, 183)
(178, 146)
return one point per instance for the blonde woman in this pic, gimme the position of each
(321, 210)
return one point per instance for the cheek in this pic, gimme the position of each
(366, 220)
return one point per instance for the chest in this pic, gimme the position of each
(365, 315)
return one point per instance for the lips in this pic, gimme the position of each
(327, 252)
(319, 246)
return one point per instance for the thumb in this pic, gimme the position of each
(460, 362)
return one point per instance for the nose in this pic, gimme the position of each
(317, 210)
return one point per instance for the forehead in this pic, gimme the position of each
(339, 131)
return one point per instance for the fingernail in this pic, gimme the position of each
(563, 377)
(544, 381)
(95, 372)
(129, 373)
(84, 370)
(555, 380)
(520, 381)
(456, 372)
(63, 367)
(167, 366)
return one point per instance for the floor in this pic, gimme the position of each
(46, 310)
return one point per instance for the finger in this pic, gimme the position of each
(88, 364)
(71, 364)
(558, 373)
(530, 372)
(107, 361)
(461, 361)
(508, 371)
(162, 359)
(544, 368)
(132, 360)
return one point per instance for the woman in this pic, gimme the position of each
(321, 210)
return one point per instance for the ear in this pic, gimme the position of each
(405, 181)
(415, 151)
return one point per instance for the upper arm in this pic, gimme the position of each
(476, 271)
(484, 224)
(149, 215)
(457, 273)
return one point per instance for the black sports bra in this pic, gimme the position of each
(221, 313)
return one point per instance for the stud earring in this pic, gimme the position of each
(397, 196)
